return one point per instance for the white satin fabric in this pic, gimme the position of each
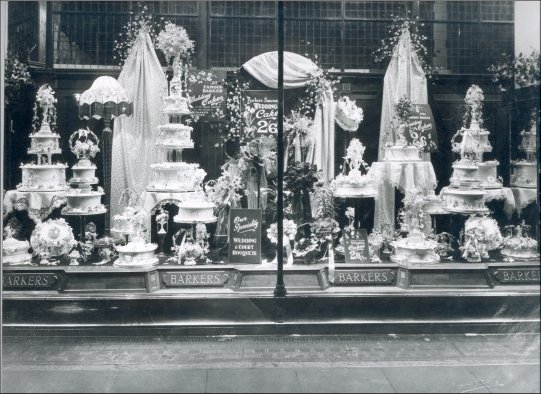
(297, 73)
(134, 138)
(404, 77)
(523, 197)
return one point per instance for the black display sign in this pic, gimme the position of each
(356, 246)
(245, 236)
(362, 277)
(26, 280)
(517, 275)
(195, 278)
(425, 128)
(260, 111)
(207, 93)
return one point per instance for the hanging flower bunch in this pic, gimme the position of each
(474, 105)
(17, 75)
(289, 228)
(227, 190)
(44, 107)
(323, 201)
(140, 20)
(174, 41)
(260, 152)
(298, 132)
(523, 70)
(236, 126)
(399, 26)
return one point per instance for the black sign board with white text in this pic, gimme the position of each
(245, 236)
(207, 93)
(426, 135)
(260, 111)
(356, 246)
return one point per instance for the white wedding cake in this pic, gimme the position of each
(44, 175)
(196, 211)
(401, 149)
(81, 199)
(518, 245)
(524, 171)
(355, 183)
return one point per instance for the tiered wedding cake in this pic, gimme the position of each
(81, 198)
(524, 171)
(471, 175)
(402, 149)
(355, 183)
(44, 175)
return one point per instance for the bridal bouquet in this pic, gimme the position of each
(290, 230)
(84, 143)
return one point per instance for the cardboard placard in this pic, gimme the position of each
(207, 93)
(245, 236)
(424, 120)
(356, 247)
(260, 109)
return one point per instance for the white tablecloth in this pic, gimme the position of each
(524, 196)
(405, 176)
(38, 204)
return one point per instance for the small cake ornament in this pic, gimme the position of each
(44, 108)
(355, 183)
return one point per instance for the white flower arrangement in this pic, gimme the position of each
(174, 41)
(348, 114)
(45, 96)
(289, 228)
(84, 143)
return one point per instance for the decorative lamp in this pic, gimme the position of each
(106, 99)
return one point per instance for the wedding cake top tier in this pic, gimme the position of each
(175, 136)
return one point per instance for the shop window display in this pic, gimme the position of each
(194, 181)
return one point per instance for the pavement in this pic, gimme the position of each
(460, 363)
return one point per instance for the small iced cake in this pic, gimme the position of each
(355, 184)
(175, 135)
(84, 201)
(524, 174)
(401, 153)
(84, 172)
(488, 174)
(462, 200)
(195, 212)
(176, 176)
(415, 249)
(43, 177)
(175, 105)
(520, 248)
(44, 142)
(15, 251)
(136, 254)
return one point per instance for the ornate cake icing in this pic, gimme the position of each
(136, 254)
(176, 176)
(355, 183)
(524, 171)
(517, 245)
(175, 135)
(464, 200)
(195, 212)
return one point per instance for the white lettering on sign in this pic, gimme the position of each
(242, 225)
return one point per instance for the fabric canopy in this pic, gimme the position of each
(297, 73)
(134, 138)
(404, 77)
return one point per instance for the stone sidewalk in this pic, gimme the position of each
(368, 363)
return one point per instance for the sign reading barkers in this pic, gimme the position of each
(245, 236)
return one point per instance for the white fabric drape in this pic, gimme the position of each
(404, 77)
(134, 138)
(297, 72)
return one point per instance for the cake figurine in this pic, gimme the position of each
(14, 251)
(415, 247)
(348, 115)
(403, 148)
(480, 236)
(518, 245)
(81, 199)
(355, 183)
(524, 171)
(44, 175)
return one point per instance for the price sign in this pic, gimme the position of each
(423, 128)
(207, 93)
(260, 111)
(356, 247)
(245, 236)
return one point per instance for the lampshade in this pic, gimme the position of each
(105, 99)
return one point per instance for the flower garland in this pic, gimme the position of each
(140, 20)
(399, 26)
(236, 127)
(523, 70)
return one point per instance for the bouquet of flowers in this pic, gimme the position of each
(44, 107)
(84, 143)
(174, 41)
(306, 248)
(474, 104)
(17, 75)
(289, 228)
(522, 70)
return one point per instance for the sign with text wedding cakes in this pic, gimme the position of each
(245, 236)
(423, 120)
(207, 93)
(260, 111)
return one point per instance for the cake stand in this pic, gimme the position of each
(82, 219)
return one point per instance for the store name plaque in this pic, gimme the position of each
(364, 277)
(20, 280)
(517, 275)
(195, 278)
